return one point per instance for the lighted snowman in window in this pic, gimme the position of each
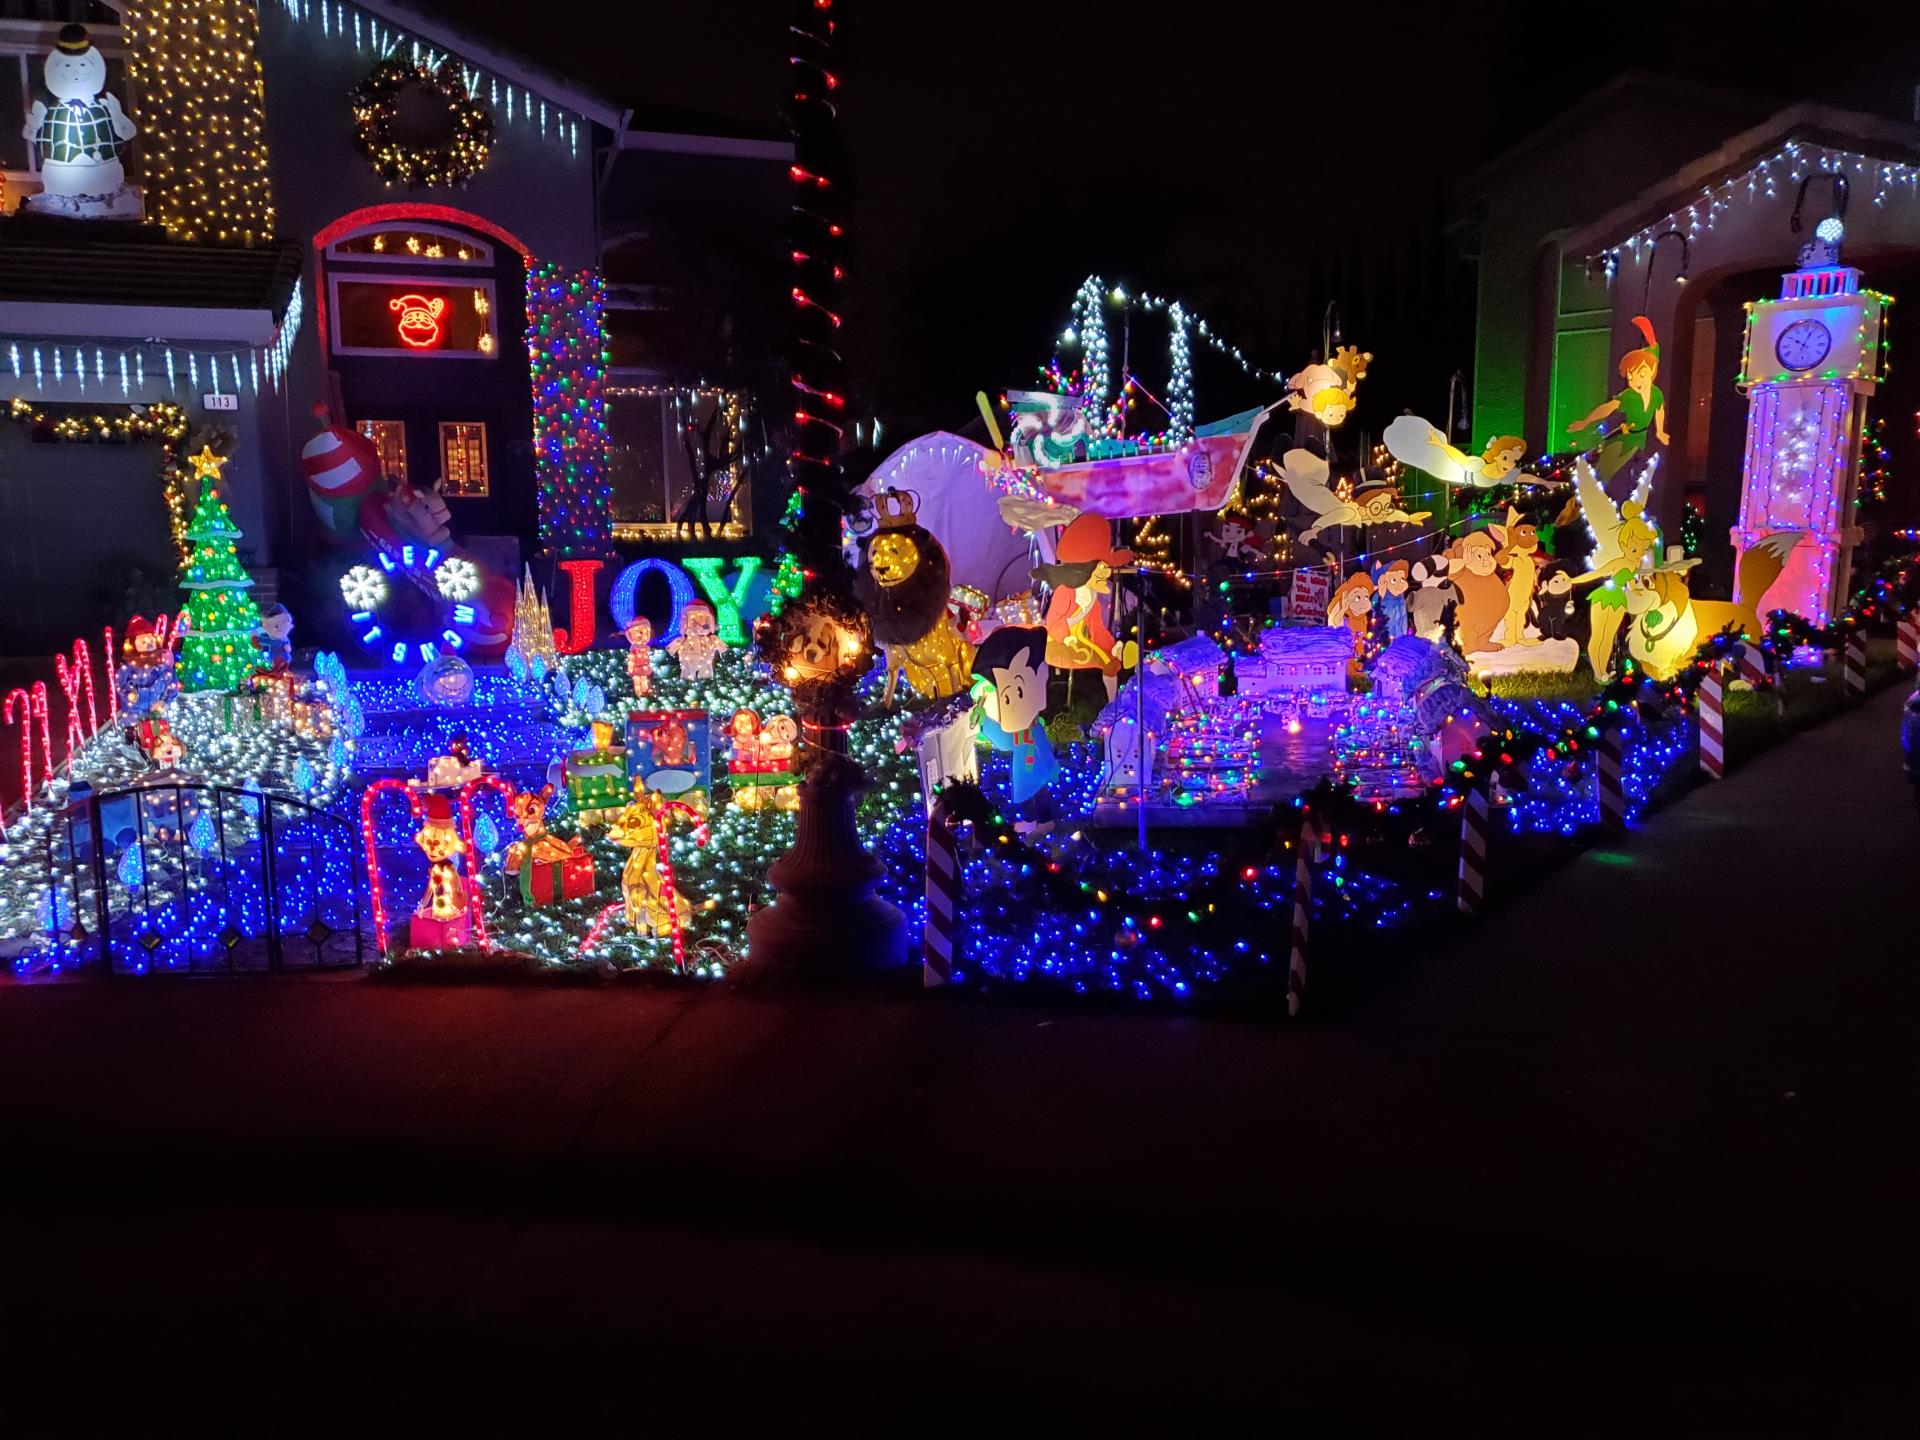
(78, 141)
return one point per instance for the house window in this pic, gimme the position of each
(676, 460)
(395, 315)
(463, 459)
(390, 439)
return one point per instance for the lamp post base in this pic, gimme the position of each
(827, 925)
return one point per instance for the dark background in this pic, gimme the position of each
(1256, 162)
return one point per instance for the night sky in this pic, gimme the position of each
(1257, 165)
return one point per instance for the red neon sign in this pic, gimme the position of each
(419, 323)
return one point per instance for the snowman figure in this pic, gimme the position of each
(80, 139)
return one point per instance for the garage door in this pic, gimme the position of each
(77, 521)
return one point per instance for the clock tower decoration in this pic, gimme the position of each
(1813, 359)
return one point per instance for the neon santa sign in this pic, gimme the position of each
(419, 323)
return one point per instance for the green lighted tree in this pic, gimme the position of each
(217, 652)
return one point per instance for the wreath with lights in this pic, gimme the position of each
(452, 162)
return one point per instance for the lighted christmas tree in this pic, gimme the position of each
(217, 652)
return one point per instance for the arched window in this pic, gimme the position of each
(411, 288)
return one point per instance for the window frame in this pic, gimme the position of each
(398, 427)
(486, 461)
(397, 350)
(483, 257)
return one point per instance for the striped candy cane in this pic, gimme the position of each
(1472, 891)
(1608, 765)
(941, 937)
(1306, 852)
(1753, 667)
(1906, 641)
(1713, 724)
(1856, 665)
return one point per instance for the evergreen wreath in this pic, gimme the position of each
(452, 162)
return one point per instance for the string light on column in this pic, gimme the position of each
(195, 69)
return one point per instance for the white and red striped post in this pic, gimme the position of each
(1906, 641)
(1752, 664)
(1713, 723)
(1474, 809)
(941, 940)
(1855, 663)
(1306, 850)
(1610, 782)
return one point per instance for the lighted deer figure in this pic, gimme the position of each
(647, 890)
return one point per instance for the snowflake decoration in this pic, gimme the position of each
(364, 588)
(458, 578)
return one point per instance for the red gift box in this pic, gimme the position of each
(544, 881)
(426, 933)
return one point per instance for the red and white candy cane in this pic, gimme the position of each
(1609, 781)
(1475, 809)
(76, 681)
(1306, 851)
(375, 887)
(941, 941)
(476, 912)
(1752, 663)
(667, 891)
(1713, 723)
(1906, 641)
(1855, 663)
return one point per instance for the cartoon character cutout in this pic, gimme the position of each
(1555, 607)
(698, 644)
(1638, 411)
(1519, 556)
(1327, 391)
(1307, 476)
(1237, 540)
(639, 633)
(1420, 446)
(1625, 542)
(1011, 665)
(1391, 584)
(1433, 591)
(1352, 605)
(1473, 566)
(1079, 610)
(275, 638)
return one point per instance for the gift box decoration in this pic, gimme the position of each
(426, 933)
(570, 877)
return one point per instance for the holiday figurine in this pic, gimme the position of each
(1011, 665)
(1390, 585)
(158, 742)
(639, 633)
(1641, 408)
(698, 643)
(274, 639)
(1520, 557)
(653, 905)
(778, 744)
(146, 680)
(78, 141)
(1079, 610)
(549, 868)
(1554, 608)
(441, 919)
(597, 783)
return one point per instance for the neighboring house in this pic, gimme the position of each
(1674, 201)
(278, 270)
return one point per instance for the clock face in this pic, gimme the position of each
(1803, 344)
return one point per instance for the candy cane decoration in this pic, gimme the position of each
(667, 892)
(1753, 666)
(113, 686)
(1612, 789)
(1472, 890)
(943, 898)
(476, 912)
(1856, 665)
(1307, 851)
(1713, 724)
(1906, 641)
(374, 885)
(75, 681)
(26, 740)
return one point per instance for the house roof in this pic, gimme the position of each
(94, 278)
(1741, 108)
(1893, 141)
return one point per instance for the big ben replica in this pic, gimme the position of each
(1813, 359)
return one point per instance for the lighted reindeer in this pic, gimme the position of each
(647, 890)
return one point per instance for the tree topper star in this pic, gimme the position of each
(206, 464)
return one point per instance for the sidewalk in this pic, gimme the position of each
(1669, 1166)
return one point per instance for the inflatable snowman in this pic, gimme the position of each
(79, 140)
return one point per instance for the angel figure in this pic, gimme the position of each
(1306, 475)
